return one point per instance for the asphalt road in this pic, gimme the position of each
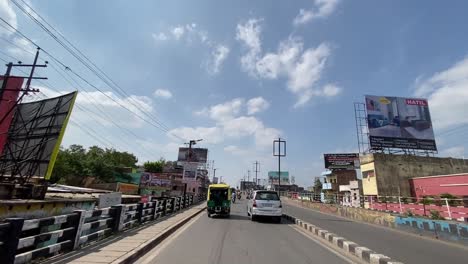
(400, 246)
(239, 240)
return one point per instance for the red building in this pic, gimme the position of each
(456, 184)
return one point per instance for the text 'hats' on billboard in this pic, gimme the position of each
(398, 122)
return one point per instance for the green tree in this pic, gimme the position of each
(74, 163)
(154, 166)
(317, 186)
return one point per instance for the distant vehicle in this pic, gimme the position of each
(219, 200)
(265, 203)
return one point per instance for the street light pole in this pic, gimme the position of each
(279, 154)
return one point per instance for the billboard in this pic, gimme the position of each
(343, 161)
(215, 180)
(195, 155)
(190, 171)
(398, 122)
(273, 177)
(35, 135)
(9, 92)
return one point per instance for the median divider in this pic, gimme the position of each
(346, 246)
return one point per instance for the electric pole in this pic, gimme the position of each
(278, 142)
(256, 171)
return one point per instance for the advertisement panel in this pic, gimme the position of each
(190, 171)
(195, 155)
(398, 122)
(127, 188)
(8, 96)
(273, 177)
(215, 180)
(158, 184)
(341, 161)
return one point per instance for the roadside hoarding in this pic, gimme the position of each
(215, 180)
(190, 171)
(398, 122)
(195, 155)
(160, 184)
(273, 177)
(341, 161)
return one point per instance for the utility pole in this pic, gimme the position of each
(28, 82)
(214, 174)
(256, 171)
(248, 175)
(278, 142)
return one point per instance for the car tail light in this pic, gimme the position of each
(254, 204)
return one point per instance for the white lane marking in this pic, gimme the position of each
(347, 258)
(150, 257)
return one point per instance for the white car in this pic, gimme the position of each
(265, 203)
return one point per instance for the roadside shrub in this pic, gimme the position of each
(409, 213)
(407, 200)
(450, 198)
(436, 215)
(430, 199)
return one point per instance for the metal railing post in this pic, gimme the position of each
(119, 217)
(80, 221)
(448, 208)
(13, 237)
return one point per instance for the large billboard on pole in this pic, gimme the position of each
(273, 177)
(399, 122)
(341, 161)
(194, 155)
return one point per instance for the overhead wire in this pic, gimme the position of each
(99, 73)
(82, 108)
(157, 125)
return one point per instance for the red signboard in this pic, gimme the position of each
(8, 97)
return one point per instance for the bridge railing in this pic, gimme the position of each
(25, 240)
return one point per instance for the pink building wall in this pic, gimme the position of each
(456, 184)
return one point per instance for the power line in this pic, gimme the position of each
(158, 126)
(104, 77)
(85, 109)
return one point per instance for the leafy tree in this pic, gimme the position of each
(154, 166)
(75, 162)
(317, 186)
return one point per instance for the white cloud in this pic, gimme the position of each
(190, 33)
(232, 126)
(447, 93)
(227, 110)
(235, 150)
(113, 107)
(321, 9)
(178, 32)
(249, 34)
(302, 68)
(455, 152)
(210, 135)
(218, 56)
(8, 13)
(330, 90)
(160, 36)
(256, 105)
(162, 93)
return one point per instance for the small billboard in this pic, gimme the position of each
(399, 122)
(190, 171)
(194, 155)
(273, 177)
(341, 161)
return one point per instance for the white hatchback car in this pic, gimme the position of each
(265, 203)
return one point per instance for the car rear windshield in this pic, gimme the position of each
(266, 196)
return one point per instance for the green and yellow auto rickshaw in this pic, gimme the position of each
(219, 200)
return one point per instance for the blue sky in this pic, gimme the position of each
(240, 73)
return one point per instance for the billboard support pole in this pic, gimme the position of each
(279, 141)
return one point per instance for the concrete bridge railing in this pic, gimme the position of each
(22, 241)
